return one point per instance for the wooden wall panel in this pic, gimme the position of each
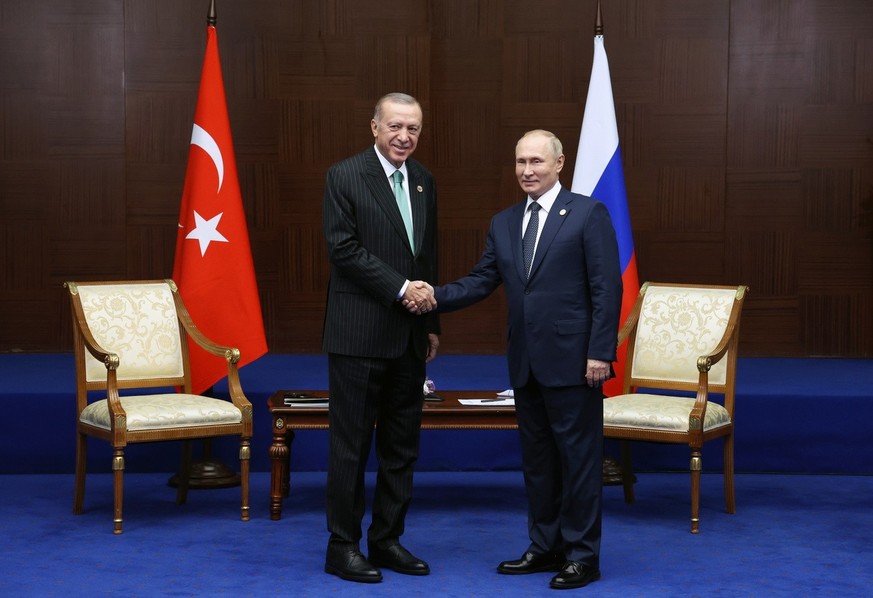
(745, 132)
(798, 148)
(62, 167)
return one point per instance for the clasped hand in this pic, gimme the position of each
(418, 298)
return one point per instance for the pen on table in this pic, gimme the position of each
(494, 400)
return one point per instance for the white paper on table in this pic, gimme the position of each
(499, 401)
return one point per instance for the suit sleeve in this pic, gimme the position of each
(475, 286)
(605, 282)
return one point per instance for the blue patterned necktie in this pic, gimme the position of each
(530, 237)
(400, 196)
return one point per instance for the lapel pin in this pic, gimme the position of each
(420, 189)
(563, 212)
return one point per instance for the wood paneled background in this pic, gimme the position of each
(746, 130)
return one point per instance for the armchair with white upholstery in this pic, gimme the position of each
(134, 334)
(682, 350)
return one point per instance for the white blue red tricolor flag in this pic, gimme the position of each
(599, 174)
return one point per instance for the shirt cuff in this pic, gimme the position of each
(402, 290)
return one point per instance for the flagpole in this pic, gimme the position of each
(598, 21)
(206, 472)
(613, 475)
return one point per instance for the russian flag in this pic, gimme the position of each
(598, 174)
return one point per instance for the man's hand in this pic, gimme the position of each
(433, 344)
(597, 372)
(418, 298)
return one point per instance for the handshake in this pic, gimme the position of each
(418, 298)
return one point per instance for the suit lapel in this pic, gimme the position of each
(514, 234)
(418, 201)
(382, 192)
(554, 221)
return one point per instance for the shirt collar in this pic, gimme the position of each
(389, 167)
(547, 199)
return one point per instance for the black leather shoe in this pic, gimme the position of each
(574, 575)
(397, 558)
(531, 562)
(347, 562)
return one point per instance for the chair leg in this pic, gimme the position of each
(729, 498)
(81, 462)
(244, 463)
(627, 472)
(696, 466)
(184, 474)
(118, 484)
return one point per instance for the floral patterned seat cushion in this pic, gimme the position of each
(658, 412)
(160, 411)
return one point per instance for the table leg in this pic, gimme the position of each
(286, 470)
(279, 476)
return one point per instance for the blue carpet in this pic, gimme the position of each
(793, 535)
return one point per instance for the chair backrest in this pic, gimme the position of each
(138, 322)
(676, 325)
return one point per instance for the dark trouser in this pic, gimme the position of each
(561, 431)
(362, 392)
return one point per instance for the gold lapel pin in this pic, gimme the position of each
(563, 212)
(420, 189)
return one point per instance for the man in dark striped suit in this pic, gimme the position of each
(380, 224)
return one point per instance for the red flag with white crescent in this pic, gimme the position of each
(213, 264)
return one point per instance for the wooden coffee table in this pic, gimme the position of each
(447, 414)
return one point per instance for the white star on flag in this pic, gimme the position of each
(206, 231)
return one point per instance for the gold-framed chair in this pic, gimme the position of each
(684, 339)
(134, 335)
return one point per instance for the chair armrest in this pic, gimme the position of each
(231, 354)
(107, 358)
(704, 364)
(117, 414)
(632, 318)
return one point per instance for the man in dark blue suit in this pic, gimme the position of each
(380, 224)
(563, 325)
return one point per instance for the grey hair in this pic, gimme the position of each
(554, 143)
(396, 97)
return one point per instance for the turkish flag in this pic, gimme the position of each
(213, 266)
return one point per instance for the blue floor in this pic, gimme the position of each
(792, 535)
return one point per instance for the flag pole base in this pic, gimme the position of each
(612, 474)
(208, 473)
